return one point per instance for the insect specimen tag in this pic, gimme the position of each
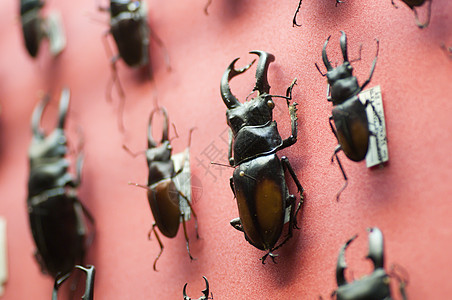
(57, 39)
(3, 256)
(183, 181)
(378, 145)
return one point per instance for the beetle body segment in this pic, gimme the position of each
(258, 180)
(163, 199)
(32, 24)
(55, 212)
(352, 127)
(130, 30)
(261, 200)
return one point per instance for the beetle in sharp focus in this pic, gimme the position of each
(413, 4)
(351, 126)
(163, 195)
(294, 21)
(371, 287)
(56, 214)
(33, 25)
(205, 292)
(89, 283)
(258, 181)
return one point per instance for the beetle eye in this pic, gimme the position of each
(270, 104)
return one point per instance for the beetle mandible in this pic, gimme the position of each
(205, 292)
(55, 212)
(33, 25)
(89, 282)
(374, 286)
(294, 21)
(163, 196)
(412, 4)
(351, 126)
(258, 181)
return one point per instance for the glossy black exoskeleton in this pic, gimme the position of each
(163, 196)
(375, 286)
(205, 292)
(351, 126)
(258, 181)
(294, 21)
(56, 215)
(33, 25)
(89, 282)
(412, 4)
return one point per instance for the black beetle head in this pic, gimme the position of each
(161, 152)
(205, 291)
(373, 286)
(53, 145)
(119, 6)
(257, 111)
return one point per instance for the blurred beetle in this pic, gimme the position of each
(412, 4)
(56, 214)
(205, 292)
(258, 180)
(89, 283)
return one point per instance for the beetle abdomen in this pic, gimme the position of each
(352, 128)
(58, 236)
(132, 39)
(261, 193)
(164, 202)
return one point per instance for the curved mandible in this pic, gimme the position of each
(343, 42)
(265, 59)
(37, 115)
(228, 98)
(341, 264)
(376, 251)
(64, 106)
(205, 291)
(151, 141)
(326, 62)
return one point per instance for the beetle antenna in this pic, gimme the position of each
(294, 21)
(220, 164)
(134, 154)
(318, 69)
(140, 185)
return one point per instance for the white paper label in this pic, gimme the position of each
(3, 255)
(377, 125)
(183, 181)
(57, 39)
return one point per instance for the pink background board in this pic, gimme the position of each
(409, 199)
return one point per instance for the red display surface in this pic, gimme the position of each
(408, 199)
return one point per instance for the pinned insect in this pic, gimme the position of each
(163, 195)
(412, 4)
(89, 283)
(371, 287)
(258, 181)
(56, 214)
(351, 126)
(294, 21)
(205, 292)
(35, 28)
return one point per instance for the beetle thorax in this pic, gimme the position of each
(52, 146)
(257, 111)
(343, 84)
(159, 153)
(119, 6)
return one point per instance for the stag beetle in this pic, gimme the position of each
(205, 292)
(163, 195)
(89, 283)
(371, 287)
(258, 181)
(351, 126)
(294, 21)
(412, 4)
(33, 26)
(55, 212)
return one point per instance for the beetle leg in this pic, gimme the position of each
(206, 7)
(393, 4)
(237, 224)
(272, 256)
(339, 148)
(159, 42)
(192, 211)
(230, 158)
(372, 69)
(401, 278)
(294, 21)
(159, 241)
(231, 184)
(293, 218)
(186, 236)
(330, 119)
